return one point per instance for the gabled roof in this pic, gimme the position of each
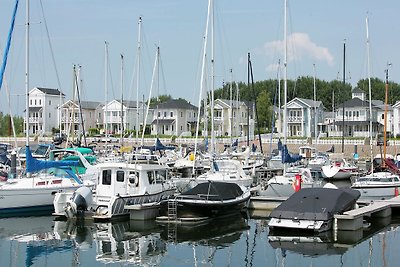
(356, 102)
(307, 102)
(357, 91)
(90, 104)
(49, 91)
(227, 102)
(176, 104)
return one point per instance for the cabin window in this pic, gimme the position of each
(106, 177)
(171, 114)
(150, 176)
(161, 176)
(120, 176)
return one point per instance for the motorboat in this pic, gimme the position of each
(206, 200)
(318, 161)
(313, 209)
(226, 170)
(122, 189)
(35, 190)
(285, 185)
(339, 170)
(377, 186)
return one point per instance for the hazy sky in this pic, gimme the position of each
(79, 28)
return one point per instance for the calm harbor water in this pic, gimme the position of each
(232, 241)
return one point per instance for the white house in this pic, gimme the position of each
(174, 117)
(301, 115)
(396, 119)
(130, 114)
(71, 116)
(231, 118)
(355, 120)
(43, 110)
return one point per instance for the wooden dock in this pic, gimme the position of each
(354, 219)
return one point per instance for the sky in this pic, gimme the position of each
(77, 30)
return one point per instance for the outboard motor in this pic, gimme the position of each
(80, 202)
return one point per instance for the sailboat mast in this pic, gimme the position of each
(248, 104)
(279, 98)
(369, 95)
(386, 111)
(212, 79)
(315, 107)
(344, 84)
(231, 108)
(27, 73)
(122, 100)
(138, 79)
(105, 89)
(285, 77)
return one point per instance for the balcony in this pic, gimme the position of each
(295, 119)
(70, 120)
(35, 120)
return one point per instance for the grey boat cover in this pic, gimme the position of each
(316, 204)
(213, 191)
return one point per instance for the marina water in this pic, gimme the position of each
(231, 241)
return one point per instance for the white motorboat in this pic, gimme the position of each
(28, 194)
(121, 187)
(377, 186)
(339, 170)
(312, 209)
(226, 170)
(284, 185)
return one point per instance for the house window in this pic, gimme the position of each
(166, 127)
(99, 114)
(106, 177)
(171, 114)
(181, 114)
(40, 102)
(165, 114)
(35, 102)
(49, 115)
(90, 114)
(159, 114)
(30, 101)
(181, 128)
(172, 127)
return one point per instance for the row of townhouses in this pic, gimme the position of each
(49, 110)
(305, 117)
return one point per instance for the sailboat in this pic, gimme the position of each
(35, 190)
(383, 184)
(293, 178)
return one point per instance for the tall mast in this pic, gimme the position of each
(344, 84)
(122, 100)
(212, 79)
(202, 85)
(315, 108)
(231, 107)
(248, 104)
(279, 98)
(27, 73)
(105, 89)
(386, 111)
(138, 78)
(285, 77)
(369, 95)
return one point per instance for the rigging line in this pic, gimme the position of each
(5, 55)
(50, 46)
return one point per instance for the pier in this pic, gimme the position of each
(354, 219)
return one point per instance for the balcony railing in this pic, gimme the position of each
(295, 119)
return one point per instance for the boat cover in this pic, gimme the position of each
(214, 191)
(316, 204)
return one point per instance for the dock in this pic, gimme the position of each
(353, 219)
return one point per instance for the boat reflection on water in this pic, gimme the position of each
(329, 242)
(220, 231)
(126, 242)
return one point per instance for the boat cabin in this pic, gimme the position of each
(130, 179)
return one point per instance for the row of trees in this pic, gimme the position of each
(266, 93)
(5, 125)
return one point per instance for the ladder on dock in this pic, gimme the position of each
(172, 219)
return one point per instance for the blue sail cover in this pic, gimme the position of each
(280, 145)
(160, 146)
(35, 165)
(235, 143)
(287, 158)
(253, 148)
(206, 144)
